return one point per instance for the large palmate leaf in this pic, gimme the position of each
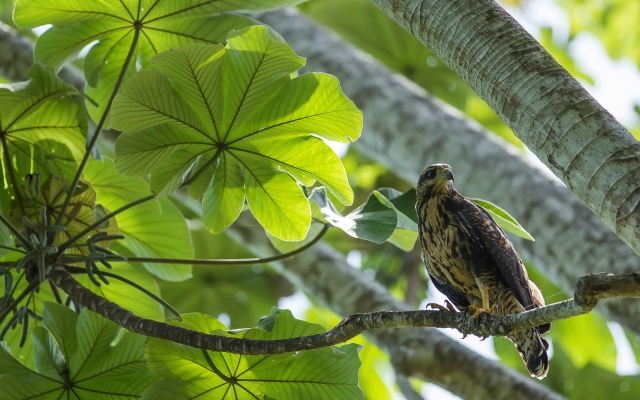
(75, 357)
(329, 373)
(230, 122)
(152, 229)
(118, 28)
(42, 127)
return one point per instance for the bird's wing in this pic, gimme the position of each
(486, 233)
(458, 298)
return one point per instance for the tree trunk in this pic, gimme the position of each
(555, 117)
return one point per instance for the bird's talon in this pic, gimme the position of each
(450, 306)
(437, 306)
(477, 311)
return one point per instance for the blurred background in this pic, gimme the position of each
(598, 42)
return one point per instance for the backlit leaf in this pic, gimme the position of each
(231, 123)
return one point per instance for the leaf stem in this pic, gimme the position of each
(25, 242)
(12, 176)
(213, 367)
(12, 249)
(98, 129)
(97, 223)
(78, 270)
(240, 261)
(201, 170)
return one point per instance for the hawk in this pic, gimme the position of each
(470, 260)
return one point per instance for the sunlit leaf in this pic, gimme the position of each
(314, 374)
(506, 221)
(94, 367)
(152, 229)
(43, 126)
(120, 28)
(374, 221)
(231, 123)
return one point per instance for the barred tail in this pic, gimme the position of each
(533, 350)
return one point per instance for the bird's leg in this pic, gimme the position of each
(449, 306)
(486, 307)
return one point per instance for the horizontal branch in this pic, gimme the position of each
(589, 290)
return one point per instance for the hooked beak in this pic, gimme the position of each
(449, 175)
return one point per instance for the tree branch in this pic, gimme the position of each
(589, 290)
(16, 56)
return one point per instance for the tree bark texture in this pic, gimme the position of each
(420, 352)
(16, 56)
(553, 115)
(407, 129)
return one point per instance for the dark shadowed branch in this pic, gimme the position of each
(589, 290)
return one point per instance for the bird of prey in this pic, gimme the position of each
(470, 260)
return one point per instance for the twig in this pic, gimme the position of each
(97, 223)
(238, 261)
(98, 129)
(589, 290)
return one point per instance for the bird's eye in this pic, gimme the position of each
(431, 174)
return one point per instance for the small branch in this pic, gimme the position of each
(12, 249)
(169, 307)
(202, 169)
(239, 261)
(98, 129)
(406, 389)
(26, 243)
(97, 223)
(589, 290)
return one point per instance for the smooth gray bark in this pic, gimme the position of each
(584, 145)
(16, 57)
(420, 352)
(407, 129)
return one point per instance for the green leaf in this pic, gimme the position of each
(287, 247)
(9, 365)
(98, 360)
(159, 26)
(152, 229)
(314, 374)
(48, 358)
(60, 322)
(231, 123)
(44, 126)
(374, 221)
(5, 239)
(506, 221)
(406, 233)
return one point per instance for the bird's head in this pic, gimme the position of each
(435, 179)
